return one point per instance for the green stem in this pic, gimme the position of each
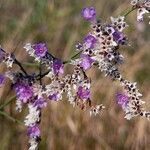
(129, 11)
(10, 117)
(73, 57)
(7, 102)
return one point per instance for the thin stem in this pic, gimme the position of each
(7, 102)
(73, 57)
(129, 11)
(10, 117)
(21, 67)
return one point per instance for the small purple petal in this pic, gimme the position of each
(23, 91)
(55, 96)
(2, 80)
(40, 49)
(122, 100)
(89, 41)
(40, 103)
(86, 62)
(33, 132)
(58, 67)
(83, 93)
(89, 13)
(119, 37)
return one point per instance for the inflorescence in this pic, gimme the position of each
(100, 48)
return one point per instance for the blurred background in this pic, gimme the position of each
(59, 24)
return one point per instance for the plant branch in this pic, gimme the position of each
(10, 117)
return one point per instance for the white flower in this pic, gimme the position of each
(140, 13)
(29, 49)
(96, 109)
(33, 116)
(33, 144)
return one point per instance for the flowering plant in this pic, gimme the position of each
(99, 48)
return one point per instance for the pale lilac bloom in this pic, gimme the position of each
(83, 93)
(23, 91)
(55, 96)
(58, 67)
(122, 100)
(33, 131)
(89, 41)
(86, 62)
(40, 103)
(89, 13)
(40, 49)
(118, 37)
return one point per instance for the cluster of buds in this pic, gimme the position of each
(99, 48)
(142, 6)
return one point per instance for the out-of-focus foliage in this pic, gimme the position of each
(59, 24)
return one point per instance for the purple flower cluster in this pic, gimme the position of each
(24, 92)
(99, 48)
(40, 49)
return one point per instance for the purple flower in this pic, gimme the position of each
(33, 131)
(122, 100)
(1, 55)
(119, 37)
(55, 96)
(40, 49)
(83, 93)
(86, 62)
(40, 103)
(89, 41)
(2, 80)
(24, 92)
(89, 13)
(58, 67)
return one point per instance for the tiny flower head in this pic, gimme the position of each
(86, 62)
(58, 67)
(33, 131)
(89, 13)
(55, 96)
(40, 49)
(24, 92)
(122, 100)
(89, 41)
(40, 103)
(83, 93)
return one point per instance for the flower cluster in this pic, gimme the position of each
(99, 48)
(142, 6)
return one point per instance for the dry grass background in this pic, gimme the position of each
(58, 23)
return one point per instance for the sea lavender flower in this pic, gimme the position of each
(86, 61)
(143, 7)
(23, 91)
(89, 41)
(58, 67)
(2, 80)
(33, 131)
(40, 49)
(55, 96)
(119, 37)
(122, 100)
(40, 103)
(89, 13)
(83, 93)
